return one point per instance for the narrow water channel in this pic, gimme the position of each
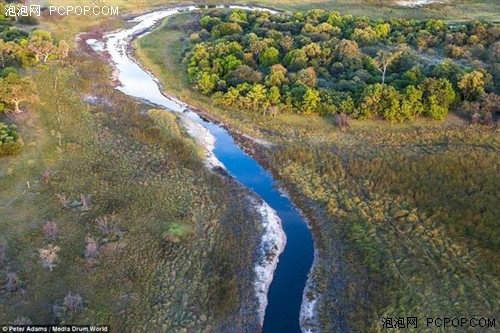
(286, 291)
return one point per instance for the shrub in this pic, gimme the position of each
(10, 141)
(174, 233)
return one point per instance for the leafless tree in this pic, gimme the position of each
(92, 248)
(85, 200)
(342, 120)
(50, 230)
(46, 176)
(385, 58)
(63, 199)
(73, 302)
(48, 256)
(13, 282)
(107, 227)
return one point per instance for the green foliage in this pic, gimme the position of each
(269, 57)
(310, 57)
(405, 216)
(10, 142)
(472, 85)
(14, 90)
(438, 96)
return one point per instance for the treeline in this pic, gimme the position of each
(327, 63)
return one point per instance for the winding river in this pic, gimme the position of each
(285, 294)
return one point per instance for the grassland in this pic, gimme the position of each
(404, 216)
(170, 266)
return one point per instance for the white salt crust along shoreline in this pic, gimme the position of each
(272, 245)
(273, 237)
(309, 321)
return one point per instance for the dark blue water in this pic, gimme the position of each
(285, 294)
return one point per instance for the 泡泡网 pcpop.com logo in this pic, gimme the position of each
(17, 11)
(84, 10)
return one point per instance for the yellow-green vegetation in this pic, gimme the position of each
(327, 63)
(108, 215)
(404, 216)
(408, 228)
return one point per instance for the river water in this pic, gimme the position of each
(286, 291)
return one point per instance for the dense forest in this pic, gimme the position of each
(327, 63)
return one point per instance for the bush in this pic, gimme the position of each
(73, 302)
(10, 142)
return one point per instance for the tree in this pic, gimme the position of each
(8, 52)
(472, 85)
(226, 29)
(382, 30)
(307, 77)
(411, 105)
(277, 77)
(382, 100)
(257, 97)
(296, 59)
(244, 74)
(311, 101)
(274, 95)
(14, 90)
(206, 82)
(238, 16)
(312, 50)
(365, 36)
(269, 57)
(438, 96)
(42, 48)
(231, 98)
(48, 256)
(384, 59)
(346, 51)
